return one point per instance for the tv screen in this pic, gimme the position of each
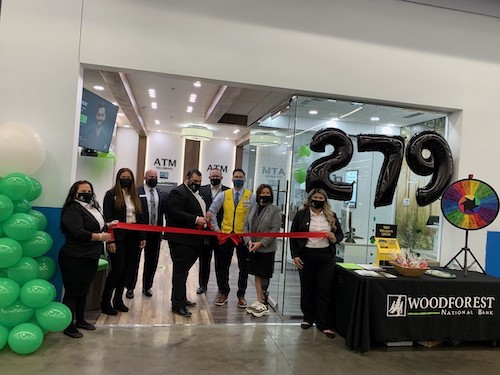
(97, 122)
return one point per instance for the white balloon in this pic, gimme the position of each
(21, 149)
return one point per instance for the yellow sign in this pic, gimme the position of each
(387, 248)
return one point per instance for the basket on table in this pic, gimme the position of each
(407, 271)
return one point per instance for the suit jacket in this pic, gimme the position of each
(206, 194)
(111, 213)
(182, 210)
(78, 224)
(161, 207)
(301, 224)
(269, 220)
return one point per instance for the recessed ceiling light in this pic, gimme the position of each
(157, 122)
(152, 93)
(114, 103)
(236, 131)
(335, 119)
(126, 126)
(99, 88)
(154, 105)
(375, 118)
(120, 114)
(192, 98)
(197, 84)
(313, 112)
(189, 109)
(391, 124)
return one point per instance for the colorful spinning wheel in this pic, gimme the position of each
(470, 204)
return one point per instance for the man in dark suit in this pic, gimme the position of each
(153, 202)
(209, 193)
(185, 209)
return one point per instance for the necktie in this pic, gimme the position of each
(236, 198)
(152, 204)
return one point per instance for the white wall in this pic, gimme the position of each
(217, 153)
(127, 144)
(165, 153)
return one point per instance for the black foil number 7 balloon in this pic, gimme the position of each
(439, 164)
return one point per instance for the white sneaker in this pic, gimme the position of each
(253, 307)
(260, 311)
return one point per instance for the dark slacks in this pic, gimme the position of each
(151, 255)
(316, 286)
(223, 262)
(183, 257)
(205, 259)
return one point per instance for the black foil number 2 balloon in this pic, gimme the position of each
(439, 164)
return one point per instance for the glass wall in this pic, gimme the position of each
(279, 154)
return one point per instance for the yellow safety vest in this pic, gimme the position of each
(233, 220)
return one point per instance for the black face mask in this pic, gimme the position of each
(265, 199)
(215, 181)
(84, 197)
(317, 204)
(126, 182)
(152, 182)
(194, 187)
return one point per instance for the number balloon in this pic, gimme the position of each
(439, 164)
(318, 175)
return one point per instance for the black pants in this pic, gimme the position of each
(151, 256)
(316, 286)
(183, 257)
(222, 263)
(205, 259)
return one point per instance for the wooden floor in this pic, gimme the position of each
(156, 310)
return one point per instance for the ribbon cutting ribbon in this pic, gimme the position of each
(222, 237)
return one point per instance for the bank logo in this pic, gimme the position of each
(396, 305)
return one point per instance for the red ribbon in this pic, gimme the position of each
(222, 237)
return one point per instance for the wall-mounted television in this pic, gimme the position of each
(97, 122)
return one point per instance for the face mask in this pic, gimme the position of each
(126, 182)
(265, 199)
(194, 187)
(151, 182)
(238, 183)
(215, 181)
(317, 204)
(84, 197)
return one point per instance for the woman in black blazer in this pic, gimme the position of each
(315, 259)
(122, 203)
(83, 226)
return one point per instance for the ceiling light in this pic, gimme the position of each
(154, 105)
(126, 126)
(152, 93)
(335, 119)
(236, 131)
(114, 103)
(189, 109)
(197, 133)
(192, 98)
(374, 118)
(197, 84)
(313, 112)
(99, 88)
(264, 140)
(350, 113)
(157, 122)
(120, 114)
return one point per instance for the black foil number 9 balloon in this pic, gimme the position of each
(439, 164)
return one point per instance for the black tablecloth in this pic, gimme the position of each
(378, 310)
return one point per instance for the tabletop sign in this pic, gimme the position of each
(386, 230)
(387, 248)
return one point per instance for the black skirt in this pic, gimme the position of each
(261, 264)
(77, 274)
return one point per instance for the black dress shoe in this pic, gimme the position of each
(129, 294)
(201, 290)
(190, 303)
(73, 332)
(120, 306)
(85, 325)
(182, 311)
(108, 309)
(148, 292)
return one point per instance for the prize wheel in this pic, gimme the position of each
(469, 204)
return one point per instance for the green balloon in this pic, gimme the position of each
(3, 273)
(20, 226)
(54, 317)
(37, 245)
(41, 219)
(37, 293)
(6, 207)
(35, 190)
(10, 252)
(16, 186)
(4, 335)
(9, 292)
(300, 175)
(46, 267)
(35, 322)
(22, 205)
(25, 338)
(303, 151)
(24, 270)
(16, 313)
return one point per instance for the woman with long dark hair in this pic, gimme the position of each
(315, 259)
(122, 203)
(83, 226)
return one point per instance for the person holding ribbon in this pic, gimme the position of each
(153, 203)
(262, 217)
(84, 230)
(122, 203)
(315, 259)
